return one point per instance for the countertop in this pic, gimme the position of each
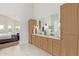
(47, 36)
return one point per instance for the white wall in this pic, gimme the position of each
(7, 21)
(26, 15)
(18, 11)
(45, 9)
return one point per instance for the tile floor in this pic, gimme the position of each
(25, 50)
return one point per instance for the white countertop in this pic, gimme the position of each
(53, 37)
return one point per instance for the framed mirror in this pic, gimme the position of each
(52, 22)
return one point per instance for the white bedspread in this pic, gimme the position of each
(5, 36)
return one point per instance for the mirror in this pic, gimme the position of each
(52, 23)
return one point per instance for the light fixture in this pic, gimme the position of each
(17, 27)
(1, 27)
(9, 26)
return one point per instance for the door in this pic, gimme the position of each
(31, 24)
(69, 25)
(69, 19)
(78, 29)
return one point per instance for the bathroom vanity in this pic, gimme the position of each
(49, 44)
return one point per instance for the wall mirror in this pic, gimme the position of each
(52, 23)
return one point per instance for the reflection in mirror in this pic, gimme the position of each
(49, 25)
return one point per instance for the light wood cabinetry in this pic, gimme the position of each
(68, 45)
(31, 24)
(78, 47)
(44, 43)
(33, 40)
(38, 41)
(50, 45)
(69, 25)
(41, 42)
(69, 19)
(78, 29)
(56, 47)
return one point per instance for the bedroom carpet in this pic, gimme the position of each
(24, 50)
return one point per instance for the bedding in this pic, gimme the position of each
(5, 36)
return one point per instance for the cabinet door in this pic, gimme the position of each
(39, 43)
(78, 46)
(69, 29)
(49, 45)
(78, 29)
(69, 46)
(44, 43)
(69, 19)
(36, 41)
(33, 39)
(56, 47)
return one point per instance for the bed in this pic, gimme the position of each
(6, 38)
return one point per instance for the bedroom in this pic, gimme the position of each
(9, 31)
(9, 27)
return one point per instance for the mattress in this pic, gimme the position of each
(5, 36)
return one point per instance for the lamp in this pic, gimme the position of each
(1, 27)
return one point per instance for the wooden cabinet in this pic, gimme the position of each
(78, 46)
(56, 47)
(33, 39)
(31, 24)
(69, 19)
(78, 29)
(38, 42)
(44, 43)
(49, 45)
(69, 46)
(69, 29)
